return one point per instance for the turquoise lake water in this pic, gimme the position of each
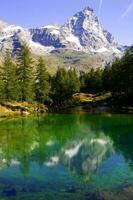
(67, 157)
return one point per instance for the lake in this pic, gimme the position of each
(67, 157)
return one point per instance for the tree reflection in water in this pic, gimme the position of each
(94, 152)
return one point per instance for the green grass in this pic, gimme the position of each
(86, 97)
(14, 109)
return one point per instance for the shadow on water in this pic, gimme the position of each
(67, 156)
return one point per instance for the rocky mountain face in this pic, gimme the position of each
(12, 37)
(82, 33)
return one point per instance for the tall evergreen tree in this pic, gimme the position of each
(10, 81)
(1, 83)
(92, 81)
(42, 85)
(25, 74)
(65, 84)
(73, 82)
(107, 79)
(59, 86)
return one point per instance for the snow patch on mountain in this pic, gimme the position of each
(73, 39)
(55, 32)
(38, 49)
(102, 50)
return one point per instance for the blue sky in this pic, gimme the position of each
(115, 15)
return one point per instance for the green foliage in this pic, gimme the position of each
(1, 83)
(122, 74)
(25, 74)
(26, 81)
(106, 79)
(23, 81)
(64, 85)
(73, 81)
(119, 76)
(42, 84)
(10, 81)
(92, 81)
(119, 79)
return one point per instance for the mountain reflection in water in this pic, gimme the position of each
(67, 156)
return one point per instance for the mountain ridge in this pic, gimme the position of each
(81, 33)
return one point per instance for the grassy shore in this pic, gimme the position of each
(15, 109)
(92, 98)
(104, 100)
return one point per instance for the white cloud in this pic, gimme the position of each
(127, 11)
(100, 6)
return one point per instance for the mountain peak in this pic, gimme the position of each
(86, 9)
(91, 35)
(51, 26)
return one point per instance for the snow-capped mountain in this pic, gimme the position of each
(91, 36)
(82, 32)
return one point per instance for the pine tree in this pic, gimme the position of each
(42, 85)
(25, 74)
(92, 81)
(59, 86)
(10, 81)
(107, 79)
(73, 82)
(65, 84)
(1, 83)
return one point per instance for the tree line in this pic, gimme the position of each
(24, 80)
(116, 78)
